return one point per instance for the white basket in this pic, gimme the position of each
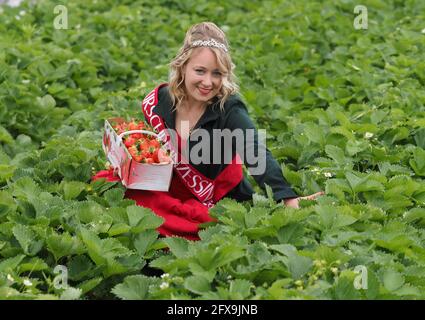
(135, 175)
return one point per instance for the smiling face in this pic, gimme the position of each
(202, 77)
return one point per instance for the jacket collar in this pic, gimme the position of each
(163, 109)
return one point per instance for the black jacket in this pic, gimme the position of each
(234, 116)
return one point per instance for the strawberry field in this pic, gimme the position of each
(344, 113)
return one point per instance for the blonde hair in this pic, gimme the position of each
(202, 31)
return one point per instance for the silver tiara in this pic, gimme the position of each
(209, 43)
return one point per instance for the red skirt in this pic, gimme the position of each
(181, 210)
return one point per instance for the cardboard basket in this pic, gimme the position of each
(134, 175)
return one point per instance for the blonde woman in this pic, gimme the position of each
(197, 110)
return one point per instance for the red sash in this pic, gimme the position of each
(207, 191)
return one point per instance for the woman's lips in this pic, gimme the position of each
(204, 92)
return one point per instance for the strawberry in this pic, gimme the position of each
(129, 142)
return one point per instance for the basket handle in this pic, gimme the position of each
(138, 131)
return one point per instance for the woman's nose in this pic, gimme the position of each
(207, 81)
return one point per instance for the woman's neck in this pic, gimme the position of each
(191, 106)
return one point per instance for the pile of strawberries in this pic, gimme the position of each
(144, 148)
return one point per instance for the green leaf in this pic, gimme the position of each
(141, 219)
(418, 161)
(144, 241)
(114, 196)
(363, 184)
(89, 285)
(34, 264)
(392, 279)
(71, 294)
(344, 288)
(80, 267)
(102, 251)
(240, 289)
(64, 245)
(46, 103)
(72, 189)
(178, 246)
(6, 172)
(27, 238)
(134, 288)
(291, 233)
(7, 203)
(197, 284)
(298, 265)
(5, 136)
(11, 264)
(336, 153)
(373, 285)
(26, 189)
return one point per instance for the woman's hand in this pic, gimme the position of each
(294, 201)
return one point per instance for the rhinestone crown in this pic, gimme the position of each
(209, 43)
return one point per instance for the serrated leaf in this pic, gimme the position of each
(71, 294)
(363, 184)
(240, 289)
(392, 279)
(143, 241)
(133, 288)
(345, 290)
(72, 189)
(114, 196)
(418, 161)
(10, 264)
(64, 245)
(197, 284)
(7, 203)
(27, 238)
(89, 285)
(5, 136)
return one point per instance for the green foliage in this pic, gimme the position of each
(343, 109)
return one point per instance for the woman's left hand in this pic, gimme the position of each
(294, 202)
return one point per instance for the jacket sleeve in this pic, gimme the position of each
(256, 156)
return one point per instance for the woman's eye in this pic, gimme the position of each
(217, 74)
(199, 71)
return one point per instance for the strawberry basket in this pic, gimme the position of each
(145, 169)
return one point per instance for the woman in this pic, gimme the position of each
(199, 101)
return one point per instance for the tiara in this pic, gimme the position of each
(209, 43)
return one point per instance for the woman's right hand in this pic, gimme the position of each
(294, 202)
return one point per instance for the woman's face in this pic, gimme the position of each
(202, 77)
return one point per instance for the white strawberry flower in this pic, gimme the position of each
(28, 283)
(368, 135)
(10, 278)
(165, 275)
(164, 285)
(22, 12)
(423, 31)
(328, 175)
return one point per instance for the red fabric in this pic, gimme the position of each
(181, 211)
